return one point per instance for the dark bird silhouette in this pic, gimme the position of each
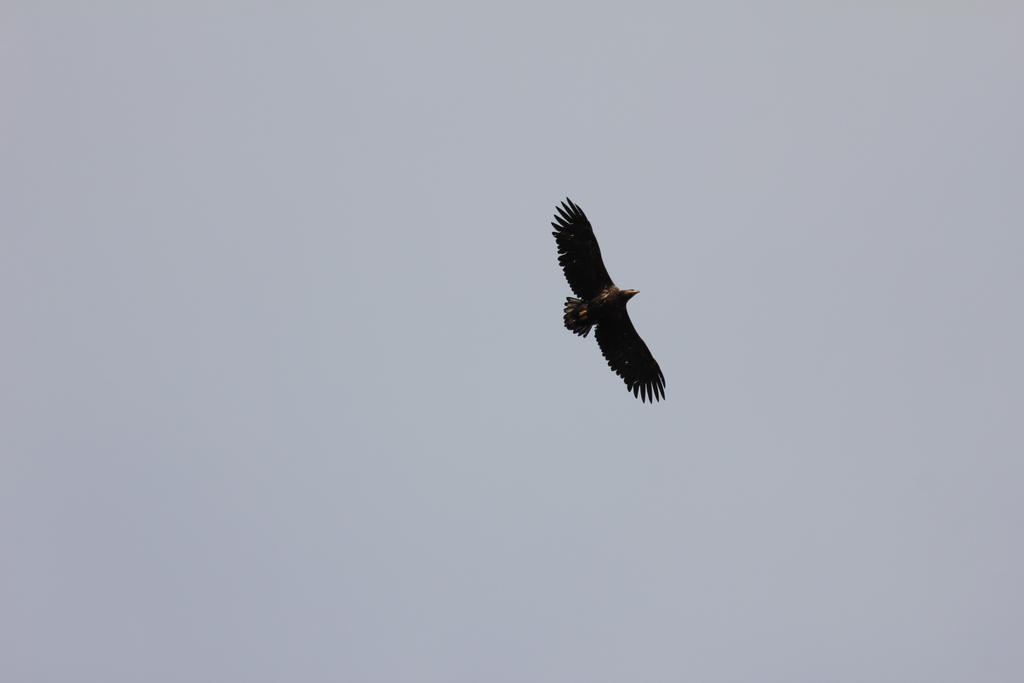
(603, 305)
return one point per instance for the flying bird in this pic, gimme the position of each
(603, 305)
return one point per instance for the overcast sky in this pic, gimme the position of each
(286, 394)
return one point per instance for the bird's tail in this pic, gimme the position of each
(576, 318)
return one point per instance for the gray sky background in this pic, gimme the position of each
(287, 397)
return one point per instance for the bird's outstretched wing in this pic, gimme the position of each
(629, 357)
(578, 253)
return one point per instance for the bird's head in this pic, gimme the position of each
(630, 293)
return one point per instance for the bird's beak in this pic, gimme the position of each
(630, 293)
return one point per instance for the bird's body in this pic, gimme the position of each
(599, 303)
(609, 303)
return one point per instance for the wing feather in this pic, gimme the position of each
(629, 357)
(578, 251)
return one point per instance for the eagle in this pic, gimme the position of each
(600, 303)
